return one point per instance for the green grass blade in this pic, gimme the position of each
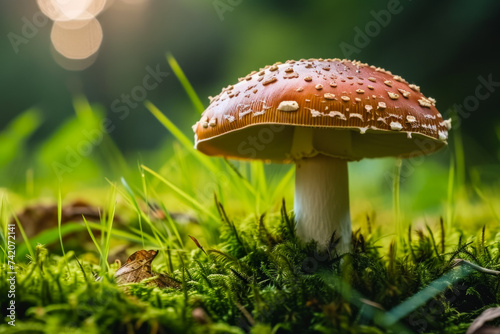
(108, 222)
(187, 199)
(50, 236)
(94, 240)
(180, 136)
(119, 234)
(25, 237)
(4, 229)
(395, 199)
(59, 221)
(238, 177)
(187, 143)
(354, 297)
(169, 125)
(451, 195)
(130, 198)
(423, 296)
(185, 83)
(136, 206)
(280, 188)
(16, 133)
(460, 162)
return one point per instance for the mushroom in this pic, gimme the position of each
(320, 114)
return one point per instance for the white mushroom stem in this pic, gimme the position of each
(322, 201)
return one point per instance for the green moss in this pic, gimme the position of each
(261, 279)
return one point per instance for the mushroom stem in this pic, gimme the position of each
(322, 201)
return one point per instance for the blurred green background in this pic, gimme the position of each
(449, 48)
(442, 46)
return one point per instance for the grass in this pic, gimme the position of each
(241, 266)
(260, 278)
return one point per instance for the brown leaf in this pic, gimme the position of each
(138, 268)
(477, 325)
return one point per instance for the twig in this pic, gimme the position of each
(457, 262)
(245, 312)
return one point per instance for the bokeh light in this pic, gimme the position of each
(75, 40)
(135, 2)
(76, 33)
(73, 64)
(66, 10)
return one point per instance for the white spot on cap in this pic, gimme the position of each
(288, 106)
(381, 105)
(204, 122)
(447, 123)
(329, 96)
(345, 98)
(315, 113)
(388, 83)
(443, 136)
(258, 113)
(372, 79)
(269, 81)
(363, 130)
(396, 116)
(368, 108)
(213, 122)
(405, 93)
(396, 126)
(229, 118)
(337, 114)
(319, 87)
(414, 87)
(356, 115)
(393, 96)
(410, 119)
(245, 112)
(424, 103)
(360, 91)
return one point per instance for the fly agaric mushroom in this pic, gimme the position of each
(320, 114)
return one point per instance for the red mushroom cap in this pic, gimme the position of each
(349, 109)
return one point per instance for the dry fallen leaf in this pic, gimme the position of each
(477, 325)
(138, 268)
